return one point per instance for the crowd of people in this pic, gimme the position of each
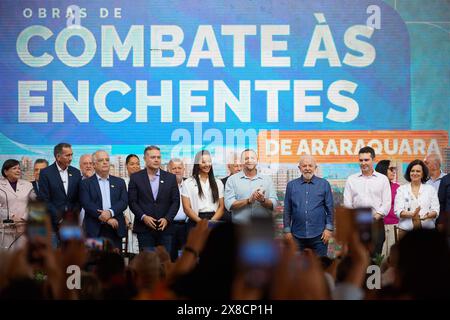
(160, 235)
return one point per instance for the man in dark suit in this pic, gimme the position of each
(443, 221)
(180, 226)
(154, 198)
(59, 183)
(104, 198)
(39, 164)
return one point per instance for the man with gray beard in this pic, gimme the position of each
(308, 209)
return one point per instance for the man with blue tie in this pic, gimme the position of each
(104, 199)
(154, 199)
(59, 184)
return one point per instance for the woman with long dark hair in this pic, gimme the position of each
(202, 194)
(133, 165)
(388, 168)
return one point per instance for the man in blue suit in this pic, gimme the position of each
(59, 184)
(104, 199)
(39, 165)
(154, 198)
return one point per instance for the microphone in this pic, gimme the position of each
(7, 220)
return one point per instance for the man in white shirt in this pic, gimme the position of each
(433, 163)
(58, 185)
(176, 166)
(369, 189)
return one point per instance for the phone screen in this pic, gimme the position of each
(258, 252)
(94, 243)
(364, 221)
(70, 233)
(359, 220)
(36, 224)
(38, 232)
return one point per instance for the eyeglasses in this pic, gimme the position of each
(392, 169)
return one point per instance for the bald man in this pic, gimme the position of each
(308, 209)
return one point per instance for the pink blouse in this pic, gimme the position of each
(391, 218)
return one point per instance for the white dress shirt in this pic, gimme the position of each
(181, 216)
(427, 200)
(106, 193)
(372, 191)
(206, 203)
(64, 177)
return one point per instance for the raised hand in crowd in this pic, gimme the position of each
(298, 276)
(195, 243)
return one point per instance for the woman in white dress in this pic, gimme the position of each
(202, 193)
(132, 163)
(416, 203)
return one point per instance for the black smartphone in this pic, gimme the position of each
(364, 224)
(360, 220)
(258, 252)
(37, 221)
(38, 232)
(214, 223)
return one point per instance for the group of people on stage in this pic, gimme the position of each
(155, 207)
(171, 221)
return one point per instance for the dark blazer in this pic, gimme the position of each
(91, 201)
(51, 190)
(226, 214)
(141, 201)
(444, 199)
(36, 189)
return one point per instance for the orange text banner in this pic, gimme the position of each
(343, 146)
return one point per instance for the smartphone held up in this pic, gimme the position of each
(359, 220)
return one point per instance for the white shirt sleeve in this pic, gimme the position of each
(184, 188)
(348, 197)
(434, 201)
(386, 198)
(399, 203)
(220, 187)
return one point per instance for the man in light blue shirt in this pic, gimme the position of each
(248, 193)
(104, 199)
(433, 162)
